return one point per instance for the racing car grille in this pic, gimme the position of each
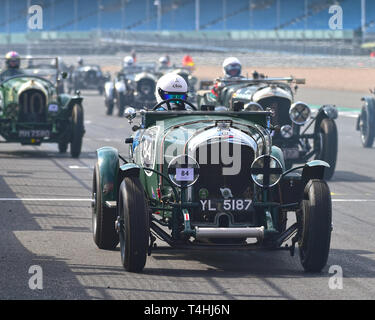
(146, 88)
(32, 106)
(91, 77)
(214, 181)
(280, 107)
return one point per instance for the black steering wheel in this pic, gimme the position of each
(168, 103)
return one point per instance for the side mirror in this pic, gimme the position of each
(130, 114)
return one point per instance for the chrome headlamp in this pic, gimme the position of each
(299, 113)
(266, 171)
(183, 171)
(286, 131)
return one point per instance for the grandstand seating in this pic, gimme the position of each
(179, 15)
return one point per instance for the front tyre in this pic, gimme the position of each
(315, 226)
(134, 229)
(328, 145)
(103, 218)
(77, 131)
(367, 126)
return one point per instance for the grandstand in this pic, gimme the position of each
(180, 15)
(205, 19)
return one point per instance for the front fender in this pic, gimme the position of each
(314, 170)
(327, 111)
(129, 170)
(108, 162)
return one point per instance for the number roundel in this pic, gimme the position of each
(183, 171)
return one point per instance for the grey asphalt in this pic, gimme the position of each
(56, 235)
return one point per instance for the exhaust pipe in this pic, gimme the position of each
(201, 233)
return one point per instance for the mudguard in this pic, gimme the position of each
(129, 170)
(326, 111)
(278, 154)
(108, 162)
(314, 170)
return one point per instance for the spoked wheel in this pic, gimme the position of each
(316, 226)
(327, 145)
(367, 127)
(103, 218)
(77, 131)
(133, 225)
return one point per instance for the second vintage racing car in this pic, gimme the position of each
(133, 86)
(301, 135)
(207, 180)
(33, 111)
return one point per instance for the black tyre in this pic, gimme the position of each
(327, 145)
(109, 109)
(316, 226)
(77, 131)
(367, 126)
(103, 218)
(63, 147)
(134, 229)
(121, 104)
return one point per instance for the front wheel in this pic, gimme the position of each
(315, 226)
(77, 131)
(134, 229)
(367, 126)
(103, 218)
(327, 145)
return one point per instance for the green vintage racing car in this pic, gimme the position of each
(34, 111)
(301, 135)
(208, 180)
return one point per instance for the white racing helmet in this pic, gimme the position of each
(128, 61)
(163, 61)
(232, 67)
(171, 86)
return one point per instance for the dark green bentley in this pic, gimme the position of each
(34, 111)
(208, 180)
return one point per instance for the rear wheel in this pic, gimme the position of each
(328, 144)
(316, 226)
(77, 131)
(134, 229)
(367, 126)
(103, 218)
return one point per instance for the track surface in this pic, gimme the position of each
(56, 234)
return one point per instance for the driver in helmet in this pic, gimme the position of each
(80, 62)
(12, 65)
(164, 62)
(232, 68)
(172, 86)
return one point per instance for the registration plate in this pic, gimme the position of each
(226, 205)
(34, 133)
(291, 153)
